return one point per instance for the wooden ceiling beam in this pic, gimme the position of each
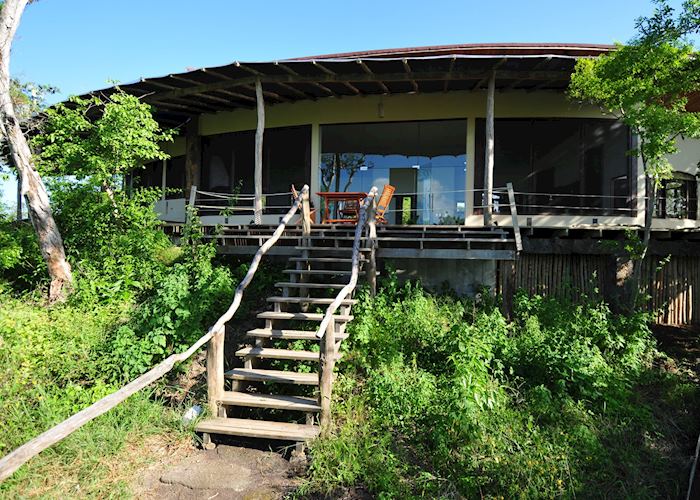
(158, 84)
(407, 68)
(486, 77)
(361, 77)
(534, 68)
(269, 93)
(369, 71)
(327, 71)
(449, 72)
(296, 91)
(190, 109)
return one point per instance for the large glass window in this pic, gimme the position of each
(425, 161)
(560, 166)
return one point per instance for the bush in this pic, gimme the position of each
(21, 265)
(116, 245)
(188, 300)
(445, 398)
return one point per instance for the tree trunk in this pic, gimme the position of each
(32, 186)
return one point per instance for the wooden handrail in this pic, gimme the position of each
(326, 330)
(514, 217)
(14, 460)
(347, 289)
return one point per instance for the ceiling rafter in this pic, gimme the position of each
(449, 72)
(362, 77)
(327, 71)
(534, 68)
(486, 77)
(368, 71)
(310, 80)
(407, 68)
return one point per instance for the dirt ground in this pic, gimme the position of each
(227, 472)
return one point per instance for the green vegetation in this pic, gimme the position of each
(441, 397)
(58, 360)
(136, 300)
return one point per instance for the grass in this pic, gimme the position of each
(99, 460)
(50, 368)
(443, 398)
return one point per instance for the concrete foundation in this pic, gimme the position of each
(465, 277)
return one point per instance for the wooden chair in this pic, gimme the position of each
(383, 203)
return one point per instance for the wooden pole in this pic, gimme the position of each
(193, 154)
(372, 237)
(488, 168)
(14, 460)
(259, 132)
(514, 217)
(215, 371)
(326, 376)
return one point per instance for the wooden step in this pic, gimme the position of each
(279, 376)
(321, 272)
(309, 300)
(266, 333)
(287, 284)
(270, 353)
(302, 316)
(274, 401)
(258, 429)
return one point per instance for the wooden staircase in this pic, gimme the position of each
(273, 393)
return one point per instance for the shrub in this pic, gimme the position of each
(444, 398)
(115, 244)
(21, 265)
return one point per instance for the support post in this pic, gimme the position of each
(306, 242)
(163, 179)
(259, 132)
(514, 217)
(372, 237)
(193, 154)
(488, 164)
(326, 376)
(305, 217)
(215, 371)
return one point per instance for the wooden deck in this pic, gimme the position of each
(409, 242)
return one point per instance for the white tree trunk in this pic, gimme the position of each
(259, 132)
(32, 187)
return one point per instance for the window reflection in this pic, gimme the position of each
(424, 160)
(560, 165)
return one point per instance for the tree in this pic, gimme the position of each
(646, 85)
(333, 164)
(32, 186)
(101, 138)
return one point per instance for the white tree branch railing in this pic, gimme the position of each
(326, 330)
(14, 460)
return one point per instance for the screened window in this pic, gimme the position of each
(560, 166)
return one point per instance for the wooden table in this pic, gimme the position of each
(350, 205)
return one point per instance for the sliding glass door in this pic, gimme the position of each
(424, 160)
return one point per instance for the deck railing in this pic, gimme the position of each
(326, 330)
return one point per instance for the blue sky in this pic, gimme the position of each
(81, 45)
